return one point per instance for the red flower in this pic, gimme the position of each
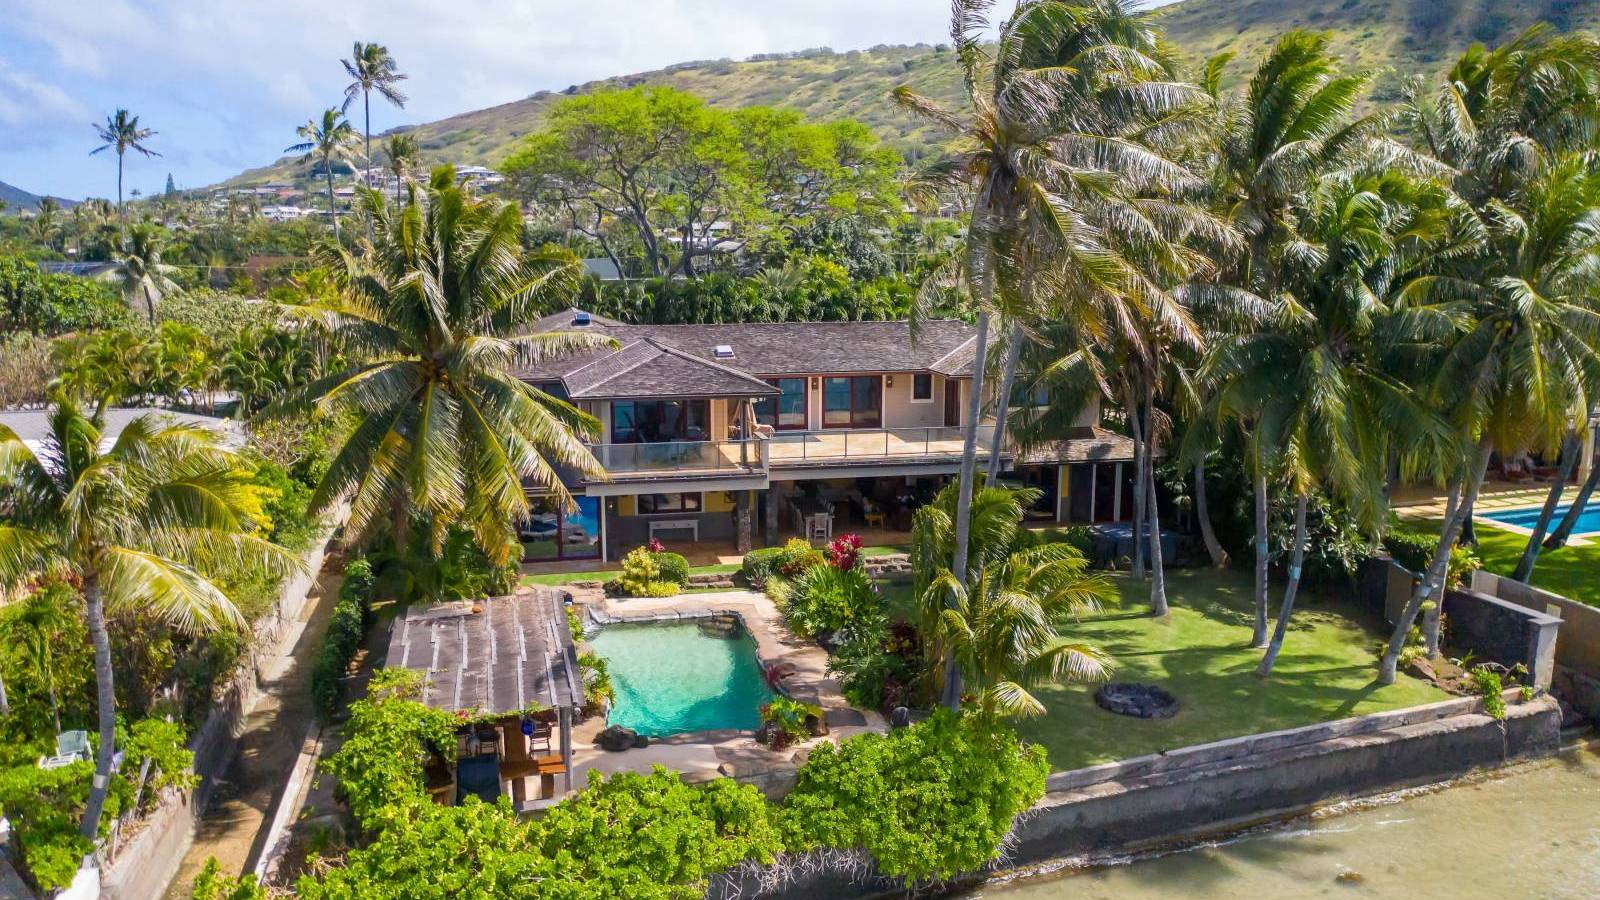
(655, 546)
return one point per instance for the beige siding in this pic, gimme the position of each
(900, 412)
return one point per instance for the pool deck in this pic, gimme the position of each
(716, 754)
(1496, 497)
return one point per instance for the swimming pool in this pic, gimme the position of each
(674, 679)
(1588, 520)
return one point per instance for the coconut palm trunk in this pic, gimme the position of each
(1259, 636)
(969, 457)
(1008, 378)
(1433, 578)
(1158, 575)
(1570, 449)
(1297, 560)
(105, 701)
(1558, 539)
(1219, 556)
(1432, 616)
(122, 212)
(333, 212)
(1140, 451)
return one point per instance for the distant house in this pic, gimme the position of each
(603, 269)
(80, 269)
(33, 426)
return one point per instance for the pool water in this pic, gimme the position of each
(673, 679)
(1588, 520)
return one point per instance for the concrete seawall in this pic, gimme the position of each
(1215, 789)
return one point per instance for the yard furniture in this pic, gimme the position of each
(665, 525)
(547, 768)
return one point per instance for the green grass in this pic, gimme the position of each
(1201, 654)
(1572, 571)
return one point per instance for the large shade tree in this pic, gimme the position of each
(143, 524)
(435, 316)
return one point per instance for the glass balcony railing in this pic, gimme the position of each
(878, 443)
(681, 456)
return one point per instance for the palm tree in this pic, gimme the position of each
(405, 156)
(144, 279)
(329, 141)
(436, 311)
(373, 70)
(122, 133)
(1293, 124)
(46, 221)
(1527, 369)
(1000, 625)
(1569, 521)
(144, 524)
(1030, 158)
(35, 626)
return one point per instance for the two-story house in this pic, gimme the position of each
(711, 433)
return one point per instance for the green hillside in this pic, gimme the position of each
(1401, 36)
(17, 199)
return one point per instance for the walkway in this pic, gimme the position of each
(233, 827)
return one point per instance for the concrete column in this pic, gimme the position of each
(769, 533)
(566, 749)
(742, 522)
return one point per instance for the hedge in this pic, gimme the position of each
(346, 629)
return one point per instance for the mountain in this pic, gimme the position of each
(17, 199)
(1392, 38)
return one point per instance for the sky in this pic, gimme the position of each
(225, 84)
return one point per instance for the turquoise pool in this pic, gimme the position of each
(673, 679)
(1588, 520)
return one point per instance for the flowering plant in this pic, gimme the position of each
(845, 551)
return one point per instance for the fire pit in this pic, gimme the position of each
(1144, 701)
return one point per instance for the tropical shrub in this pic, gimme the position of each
(390, 737)
(931, 801)
(674, 567)
(1414, 549)
(45, 304)
(761, 564)
(826, 599)
(876, 662)
(631, 835)
(284, 504)
(785, 718)
(597, 687)
(1491, 688)
(844, 551)
(27, 366)
(211, 884)
(641, 576)
(798, 556)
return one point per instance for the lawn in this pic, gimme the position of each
(1201, 654)
(1572, 571)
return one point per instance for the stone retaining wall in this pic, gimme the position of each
(143, 867)
(1215, 789)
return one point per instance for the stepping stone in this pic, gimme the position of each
(844, 718)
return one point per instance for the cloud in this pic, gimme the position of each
(30, 107)
(230, 81)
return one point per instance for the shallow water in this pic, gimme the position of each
(672, 679)
(1531, 832)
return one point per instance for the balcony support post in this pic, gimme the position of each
(742, 522)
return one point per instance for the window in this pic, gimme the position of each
(651, 504)
(922, 387)
(852, 402)
(786, 412)
(1022, 395)
(654, 421)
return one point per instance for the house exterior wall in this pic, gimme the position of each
(900, 411)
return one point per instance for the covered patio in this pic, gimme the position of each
(509, 667)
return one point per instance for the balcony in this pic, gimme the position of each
(681, 458)
(880, 444)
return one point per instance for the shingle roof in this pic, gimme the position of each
(516, 652)
(648, 368)
(771, 349)
(1084, 444)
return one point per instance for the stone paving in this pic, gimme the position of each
(707, 755)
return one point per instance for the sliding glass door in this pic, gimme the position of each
(855, 402)
(787, 412)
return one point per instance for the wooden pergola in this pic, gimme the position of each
(500, 658)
